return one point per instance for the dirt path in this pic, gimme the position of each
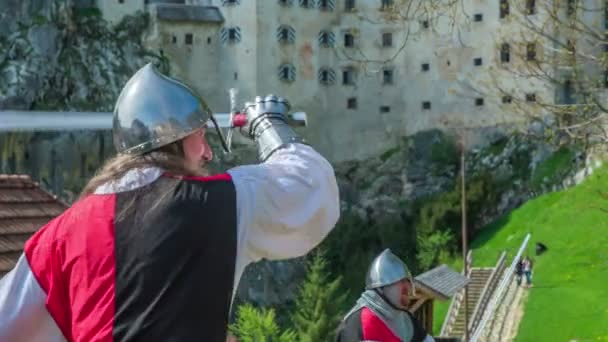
(516, 312)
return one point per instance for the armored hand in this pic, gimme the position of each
(267, 124)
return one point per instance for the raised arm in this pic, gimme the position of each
(290, 202)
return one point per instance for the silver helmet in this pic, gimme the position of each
(154, 110)
(386, 269)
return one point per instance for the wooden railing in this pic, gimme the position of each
(498, 293)
(448, 323)
(487, 291)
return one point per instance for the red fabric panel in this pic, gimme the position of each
(73, 259)
(218, 177)
(374, 328)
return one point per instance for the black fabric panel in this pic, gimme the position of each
(175, 245)
(350, 329)
(419, 332)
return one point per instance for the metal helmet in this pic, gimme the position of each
(386, 269)
(154, 110)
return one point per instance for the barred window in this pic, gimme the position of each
(505, 53)
(351, 103)
(349, 5)
(530, 7)
(531, 97)
(326, 5)
(504, 8)
(387, 76)
(386, 4)
(349, 40)
(327, 76)
(531, 51)
(307, 3)
(287, 73)
(327, 39)
(387, 39)
(286, 34)
(230, 35)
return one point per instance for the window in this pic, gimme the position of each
(425, 24)
(287, 73)
(385, 109)
(327, 39)
(230, 2)
(386, 4)
(387, 76)
(233, 34)
(230, 35)
(571, 46)
(327, 76)
(326, 5)
(478, 17)
(477, 61)
(606, 14)
(285, 2)
(121, 1)
(571, 7)
(348, 76)
(236, 76)
(307, 3)
(531, 51)
(174, 40)
(349, 40)
(351, 103)
(425, 66)
(531, 97)
(505, 53)
(507, 99)
(189, 38)
(530, 7)
(568, 93)
(286, 34)
(208, 40)
(387, 39)
(426, 105)
(504, 8)
(479, 101)
(349, 5)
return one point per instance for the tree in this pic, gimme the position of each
(259, 325)
(406, 18)
(553, 65)
(318, 307)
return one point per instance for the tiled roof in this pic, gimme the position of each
(442, 280)
(24, 208)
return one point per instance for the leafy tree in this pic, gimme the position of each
(318, 308)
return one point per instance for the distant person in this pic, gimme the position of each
(381, 314)
(527, 268)
(519, 271)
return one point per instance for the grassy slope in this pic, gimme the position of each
(569, 299)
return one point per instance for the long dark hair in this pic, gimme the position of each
(169, 158)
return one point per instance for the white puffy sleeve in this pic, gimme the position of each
(286, 205)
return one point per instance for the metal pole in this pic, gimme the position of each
(463, 202)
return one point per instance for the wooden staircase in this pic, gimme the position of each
(479, 279)
(480, 289)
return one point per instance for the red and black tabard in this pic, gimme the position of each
(156, 263)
